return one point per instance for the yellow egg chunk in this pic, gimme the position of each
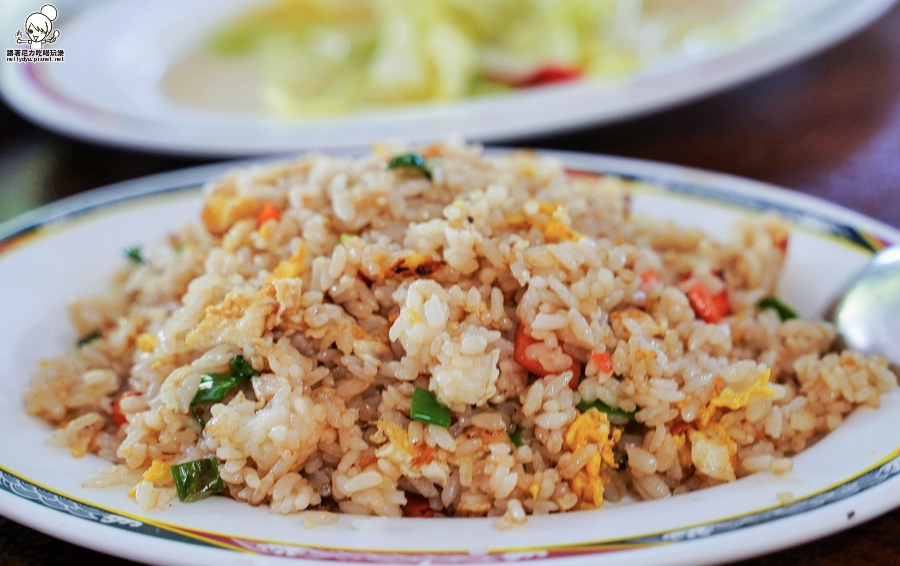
(735, 399)
(592, 427)
(224, 208)
(712, 456)
(293, 267)
(267, 229)
(550, 219)
(158, 472)
(147, 342)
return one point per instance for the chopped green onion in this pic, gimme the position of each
(241, 367)
(134, 254)
(198, 479)
(584, 406)
(516, 436)
(784, 312)
(342, 239)
(197, 417)
(214, 387)
(411, 161)
(426, 408)
(85, 340)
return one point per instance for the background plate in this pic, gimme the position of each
(116, 51)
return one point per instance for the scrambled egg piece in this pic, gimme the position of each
(244, 315)
(555, 227)
(293, 267)
(734, 399)
(147, 342)
(591, 427)
(713, 455)
(159, 474)
(267, 229)
(682, 449)
(240, 317)
(413, 460)
(225, 207)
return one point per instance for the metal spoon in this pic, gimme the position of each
(867, 317)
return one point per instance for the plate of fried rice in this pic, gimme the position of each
(439, 354)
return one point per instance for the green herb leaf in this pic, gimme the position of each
(585, 406)
(516, 436)
(411, 161)
(197, 480)
(241, 367)
(426, 408)
(214, 387)
(134, 254)
(197, 417)
(84, 340)
(784, 312)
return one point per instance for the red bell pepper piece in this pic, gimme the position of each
(548, 74)
(268, 212)
(650, 276)
(118, 416)
(522, 341)
(602, 361)
(708, 306)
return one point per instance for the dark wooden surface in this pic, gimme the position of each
(828, 126)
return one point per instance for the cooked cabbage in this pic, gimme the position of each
(334, 56)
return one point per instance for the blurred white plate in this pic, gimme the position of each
(70, 249)
(116, 52)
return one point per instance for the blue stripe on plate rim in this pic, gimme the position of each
(25, 489)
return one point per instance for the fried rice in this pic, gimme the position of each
(561, 351)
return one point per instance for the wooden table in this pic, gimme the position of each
(829, 127)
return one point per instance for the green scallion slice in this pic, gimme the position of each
(197, 417)
(426, 408)
(585, 406)
(411, 161)
(516, 437)
(87, 339)
(197, 480)
(214, 387)
(784, 312)
(241, 367)
(134, 254)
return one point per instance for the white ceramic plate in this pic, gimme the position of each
(70, 248)
(116, 52)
